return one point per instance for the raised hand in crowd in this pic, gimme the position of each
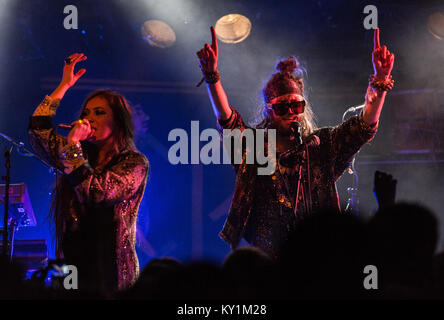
(384, 189)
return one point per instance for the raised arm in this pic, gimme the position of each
(42, 135)
(208, 56)
(382, 64)
(69, 78)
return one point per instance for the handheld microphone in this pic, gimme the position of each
(64, 126)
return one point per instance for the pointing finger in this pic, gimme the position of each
(376, 39)
(214, 40)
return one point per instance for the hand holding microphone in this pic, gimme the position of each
(80, 130)
(296, 132)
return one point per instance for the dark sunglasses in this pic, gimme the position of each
(282, 108)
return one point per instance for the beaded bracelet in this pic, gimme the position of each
(210, 77)
(383, 85)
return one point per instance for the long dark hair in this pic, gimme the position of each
(124, 133)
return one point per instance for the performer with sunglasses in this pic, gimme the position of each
(266, 208)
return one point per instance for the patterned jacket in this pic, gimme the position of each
(328, 159)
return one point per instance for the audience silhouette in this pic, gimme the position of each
(324, 258)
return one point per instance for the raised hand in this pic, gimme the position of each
(208, 54)
(382, 58)
(384, 189)
(69, 78)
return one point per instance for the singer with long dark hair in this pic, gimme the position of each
(99, 187)
(265, 208)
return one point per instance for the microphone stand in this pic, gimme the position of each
(302, 176)
(308, 206)
(7, 178)
(26, 153)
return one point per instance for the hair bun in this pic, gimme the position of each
(288, 65)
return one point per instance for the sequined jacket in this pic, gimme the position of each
(329, 158)
(102, 206)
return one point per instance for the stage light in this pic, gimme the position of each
(435, 25)
(158, 34)
(233, 28)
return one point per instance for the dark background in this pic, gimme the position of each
(185, 205)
